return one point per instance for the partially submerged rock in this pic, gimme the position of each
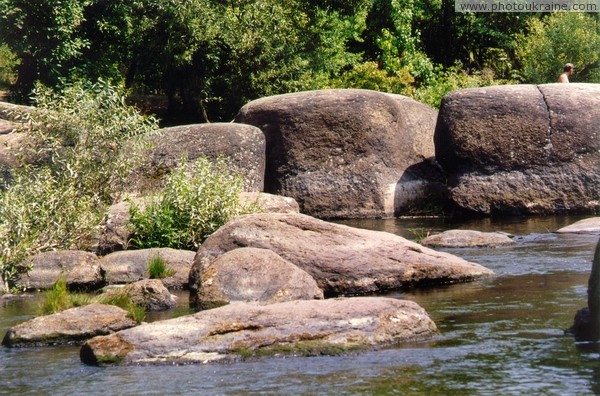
(586, 325)
(521, 149)
(585, 226)
(343, 260)
(467, 238)
(150, 294)
(132, 265)
(348, 153)
(82, 270)
(68, 327)
(251, 274)
(225, 333)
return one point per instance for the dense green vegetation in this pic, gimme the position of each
(197, 200)
(80, 150)
(209, 57)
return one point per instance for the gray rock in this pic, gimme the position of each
(254, 275)
(148, 293)
(224, 333)
(69, 327)
(82, 270)
(467, 238)
(242, 147)
(346, 153)
(521, 149)
(270, 203)
(585, 226)
(343, 260)
(132, 265)
(115, 232)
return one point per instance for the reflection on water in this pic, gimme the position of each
(501, 335)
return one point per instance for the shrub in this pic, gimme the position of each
(198, 199)
(79, 155)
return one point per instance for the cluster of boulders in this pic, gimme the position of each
(283, 278)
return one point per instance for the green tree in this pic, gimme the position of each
(45, 37)
(555, 40)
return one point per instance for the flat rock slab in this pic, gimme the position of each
(132, 265)
(467, 238)
(69, 327)
(227, 332)
(343, 260)
(585, 226)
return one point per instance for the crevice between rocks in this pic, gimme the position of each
(548, 145)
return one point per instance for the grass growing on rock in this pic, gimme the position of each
(158, 269)
(58, 298)
(301, 348)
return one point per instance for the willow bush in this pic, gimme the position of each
(80, 151)
(198, 199)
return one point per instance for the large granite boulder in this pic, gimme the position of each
(343, 260)
(254, 275)
(226, 333)
(241, 146)
(132, 265)
(348, 153)
(270, 203)
(72, 326)
(522, 149)
(82, 270)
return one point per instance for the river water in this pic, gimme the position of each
(498, 336)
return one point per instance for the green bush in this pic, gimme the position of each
(79, 154)
(197, 200)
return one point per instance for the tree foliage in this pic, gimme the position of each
(209, 57)
(558, 39)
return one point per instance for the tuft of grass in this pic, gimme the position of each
(158, 269)
(122, 300)
(58, 298)
(419, 233)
